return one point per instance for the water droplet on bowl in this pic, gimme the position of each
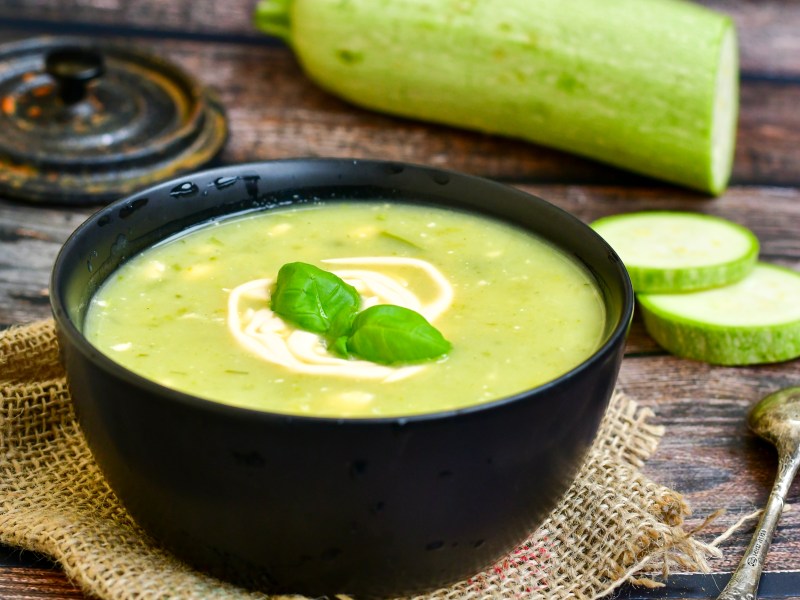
(131, 207)
(222, 182)
(183, 190)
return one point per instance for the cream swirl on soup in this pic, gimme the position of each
(259, 330)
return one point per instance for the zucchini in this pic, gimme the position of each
(671, 251)
(646, 85)
(756, 320)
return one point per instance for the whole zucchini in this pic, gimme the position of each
(647, 85)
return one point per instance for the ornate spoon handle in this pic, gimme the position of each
(743, 584)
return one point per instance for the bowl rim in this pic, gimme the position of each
(66, 326)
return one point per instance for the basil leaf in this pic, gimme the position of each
(338, 346)
(314, 299)
(389, 334)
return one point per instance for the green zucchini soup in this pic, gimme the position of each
(195, 312)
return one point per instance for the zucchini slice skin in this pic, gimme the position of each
(673, 251)
(647, 86)
(753, 321)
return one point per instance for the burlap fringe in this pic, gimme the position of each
(612, 526)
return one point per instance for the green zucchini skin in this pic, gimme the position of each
(647, 86)
(728, 346)
(766, 331)
(690, 279)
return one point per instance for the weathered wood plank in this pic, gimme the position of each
(276, 112)
(31, 583)
(707, 451)
(769, 43)
(185, 16)
(773, 213)
(30, 237)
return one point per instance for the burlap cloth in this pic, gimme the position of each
(613, 525)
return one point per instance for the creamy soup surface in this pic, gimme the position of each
(192, 313)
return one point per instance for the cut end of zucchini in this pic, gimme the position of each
(653, 90)
(756, 320)
(725, 115)
(666, 251)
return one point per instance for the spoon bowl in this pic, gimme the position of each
(775, 418)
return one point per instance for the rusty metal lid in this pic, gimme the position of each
(84, 123)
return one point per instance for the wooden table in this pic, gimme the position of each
(274, 112)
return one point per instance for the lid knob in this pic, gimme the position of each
(83, 121)
(73, 68)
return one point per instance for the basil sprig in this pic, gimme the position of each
(321, 302)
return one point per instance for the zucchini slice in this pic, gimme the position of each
(667, 252)
(756, 320)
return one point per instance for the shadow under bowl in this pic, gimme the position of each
(372, 507)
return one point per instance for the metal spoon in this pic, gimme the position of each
(776, 418)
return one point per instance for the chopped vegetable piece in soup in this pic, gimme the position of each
(194, 312)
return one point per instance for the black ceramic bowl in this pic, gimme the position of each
(376, 507)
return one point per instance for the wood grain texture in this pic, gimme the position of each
(31, 583)
(201, 16)
(707, 451)
(769, 43)
(30, 237)
(275, 112)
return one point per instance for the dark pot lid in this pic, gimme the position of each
(83, 122)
